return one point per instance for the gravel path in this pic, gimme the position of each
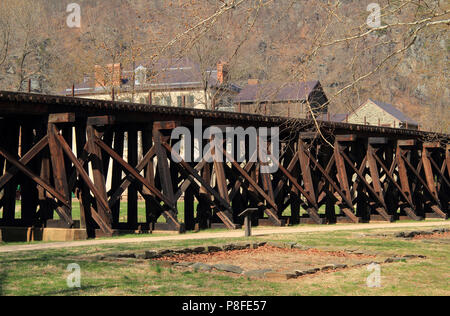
(229, 234)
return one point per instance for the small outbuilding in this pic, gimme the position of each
(381, 114)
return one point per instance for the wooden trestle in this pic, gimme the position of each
(62, 151)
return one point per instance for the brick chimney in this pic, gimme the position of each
(111, 75)
(253, 82)
(222, 72)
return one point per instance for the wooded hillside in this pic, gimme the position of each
(403, 62)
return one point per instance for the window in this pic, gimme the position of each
(157, 101)
(168, 101)
(190, 100)
(179, 101)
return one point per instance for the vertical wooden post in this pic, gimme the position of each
(150, 97)
(132, 189)
(151, 209)
(97, 169)
(86, 221)
(11, 141)
(248, 226)
(429, 175)
(189, 218)
(59, 168)
(28, 187)
(46, 212)
(119, 140)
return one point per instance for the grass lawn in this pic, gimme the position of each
(44, 272)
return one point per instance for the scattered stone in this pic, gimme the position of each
(165, 252)
(212, 249)
(290, 245)
(395, 260)
(311, 271)
(272, 276)
(199, 250)
(262, 244)
(414, 257)
(241, 247)
(260, 274)
(301, 247)
(229, 247)
(141, 256)
(276, 244)
(361, 264)
(412, 234)
(184, 264)
(185, 251)
(299, 273)
(122, 255)
(201, 267)
(340, 266)
(328, 267)
(151, 255)
(228, 268)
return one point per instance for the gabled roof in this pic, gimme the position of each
(271, 92)
(174, 73)
(392, 110)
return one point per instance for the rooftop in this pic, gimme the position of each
(271, 92)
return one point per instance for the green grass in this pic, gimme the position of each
(44, 272)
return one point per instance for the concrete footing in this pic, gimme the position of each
(28, 234)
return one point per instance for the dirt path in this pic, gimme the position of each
(230, 234)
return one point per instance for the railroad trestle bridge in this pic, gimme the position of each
(104, 154)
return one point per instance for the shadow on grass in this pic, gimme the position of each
(70, 291)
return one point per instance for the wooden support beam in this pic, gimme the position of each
(378, 140)
(101, 201)
(407, 143)
(33, 152)
(132, 196)
(97, 169)
(101, 120)
(163, 167)
(28, 190)
(59, 172)
(378, 196)
(61, 118)
(346, 138)
(135, 173)
(349, 209)
(83, 193)
(272, 215)
(59, 196)
(226, 216)
(313, 208)
(389, 173)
